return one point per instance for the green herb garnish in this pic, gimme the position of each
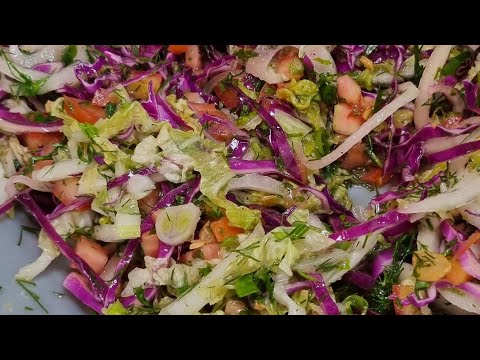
(417, 67)
(110, 109)
(29, 229)
(245, 54)
(245, 286)
(23, 284)
(452, 65)
(69, 55)
(383, 288)
(140, 294)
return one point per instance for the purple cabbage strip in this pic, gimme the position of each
(278, 135)
(49, 67)
(151, 105)
(309, 69)
(159, 109)
(449, 232)
(470, 264)
(22, 124)
(472, 213)
(388, 196)
(188, 189)
(125, 134)
(149, 294)
(381, 222)
(270, 217)
(122, 179)
(469, 287)
(360, 279)
(77, 285)
(296, 286)
(184, 82)
(393, 195)
(272, 104)
(7, 205)
(149, 51)
(338, 224)
(240, 166)
(319, 195)
(471, 95)
(381, 261)
(399, 229)
(225, 63)
(165, 250)
(334, 204)
(83, 72)
(3, 94)
(414, 300)
(430, 131)
(192, 191)
(345, 57)
(221, 125)
(74, 92)
(238, 147)
(125, 260)
(454, 152)
(98, 285)
(385, 52)
(166, 113)
(411, 161)
(449, 80)
(366, 281)
(62, 209)
(140, 76)
(323, 295)
(99, 159)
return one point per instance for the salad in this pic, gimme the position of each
(186, 179)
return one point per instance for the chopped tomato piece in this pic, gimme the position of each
(83, 111)
(355, 157)
(66, 191)
(227, 97)
(452, 121)
(188, 257)
(35, 140)
(345, 122)
(402, 292)
(177, 49)
(210, 251)
(92, 253)
(457, 275)
(222, 229)
(139, 89)
(150, 244)
(374, 177)
(148, 202)
(350, 114)
(288, 64)
(41, 164)
(348, 90)
(465, 245)
(104, 96)
(209, 109)
(193, 58)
